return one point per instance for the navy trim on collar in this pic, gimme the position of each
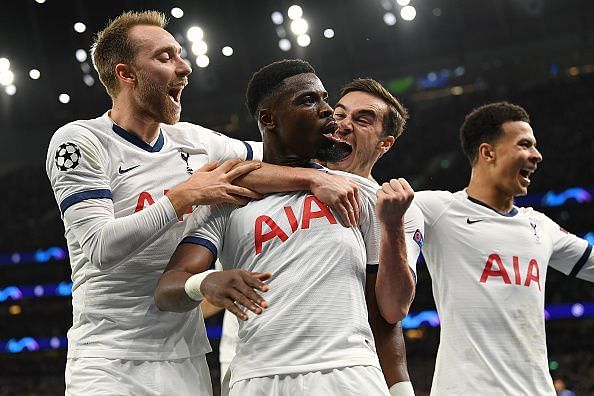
(511, 213)
(124, 134)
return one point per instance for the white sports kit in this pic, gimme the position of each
(121, 231)
(488, 272)
(317, 318)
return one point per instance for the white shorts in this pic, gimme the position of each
(346, 381)
(111, 377)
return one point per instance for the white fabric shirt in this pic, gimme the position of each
(121, 231)
(317, 317)
(488, 273)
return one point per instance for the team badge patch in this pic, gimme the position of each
(418, 238)
(186, 157)
(67, 156)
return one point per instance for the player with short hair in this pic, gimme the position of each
(370, 119)
(488, 261)
(124, 182)
(312, 336)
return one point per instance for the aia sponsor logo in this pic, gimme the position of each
(524, 274)
(145, 199)
(275, 231)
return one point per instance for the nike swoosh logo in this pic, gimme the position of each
(473, 221)
(122, 171)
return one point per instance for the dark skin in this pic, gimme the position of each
(293, 124)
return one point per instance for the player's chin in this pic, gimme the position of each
(171, 118)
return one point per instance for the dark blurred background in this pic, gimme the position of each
(453, 56)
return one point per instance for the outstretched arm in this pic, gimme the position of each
(178, 290)
(395, 284)
(339, 193)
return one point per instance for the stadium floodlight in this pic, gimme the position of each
(329, 33)
(389, 19)
(284, 44)
(295, 12)
(81, 55)
(34, 74)
(303, 40)
(177, 12)
(227, 51)
(408, 13)
(199, 48)
(88, 80)
(4, 64)
(299, 26)
(277, 18)
(6, 77)
(202, 61)
(10, 89)
(195, 34)
(80, 27)
(40, 1)
(403, 2)
(64, 98)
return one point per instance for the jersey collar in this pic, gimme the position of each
(124, 134)
(511, 213)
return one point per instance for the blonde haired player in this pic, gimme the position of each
(124, 182)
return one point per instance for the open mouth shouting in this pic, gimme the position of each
(341, 145)
(175, 94)
(525, 174)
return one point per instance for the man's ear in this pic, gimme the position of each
(125, 74)
(486, 152)
(266, 118)
(385, 144)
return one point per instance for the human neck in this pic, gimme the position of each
(482, 189)
(134, 122)
(281, 158)
(362, 171)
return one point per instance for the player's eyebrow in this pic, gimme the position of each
(366, 112)
(168, 48)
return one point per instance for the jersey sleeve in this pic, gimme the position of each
(413, 234)
(75, 165)
(432, 205)
(571, 255)
(369, 225)
(222, 148)
(206, 227)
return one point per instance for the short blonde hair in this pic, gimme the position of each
(112, 45)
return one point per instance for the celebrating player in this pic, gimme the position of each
(124, 182)
(311, 335)
(488, 261)
(370, 119)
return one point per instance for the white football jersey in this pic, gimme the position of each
(488, 274)
(105, 181)
(317, 318)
